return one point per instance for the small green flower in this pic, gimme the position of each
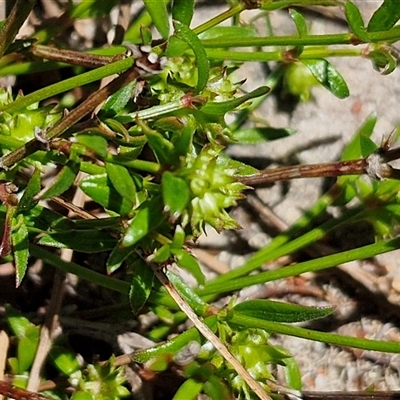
(213, 189)
(101, 382)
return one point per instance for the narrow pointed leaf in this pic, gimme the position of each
(148, 217)
(116, 102)
(95, 142)
(100, 189)
(87, 241)
(63, 181)
(162, 148)
(182, 11)
(221, 108)
(20, 244)
(27, 201)
(188, 390)
(198, 305)
(281, 312)
(385, 17)
(176, 194)
(300, 22)
(118, 255)
(189, 263)
(328, 76)
(142, 283)
(159, 15)
(203, 64)
(355, 20)
(122, 181)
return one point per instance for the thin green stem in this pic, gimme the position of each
(68, 84)
(84, 273)
(13, 23)
(283, 245)
(265, 56)
(307, 266)
(338, 340)
(309, 40)
(235, 10)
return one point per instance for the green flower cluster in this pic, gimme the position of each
(213, 190)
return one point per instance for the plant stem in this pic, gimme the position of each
(353, 167)
(74, 57)
(339, 340)
(13, 23)
(70, 119)
(264, 56)
(235, 10)
(210, 335)
(300, 268)
(80, 80)
(81, 272)
(307, 40)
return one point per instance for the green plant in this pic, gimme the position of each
(156, 167)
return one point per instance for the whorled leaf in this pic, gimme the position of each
(281, 312)
(328, 76)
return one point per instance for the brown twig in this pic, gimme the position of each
(6, 389)
(73, 57)
(143, 65)
(375, 166)
(219, 346)
(13, 23)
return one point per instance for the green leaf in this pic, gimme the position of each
(122, 181)
(116, 102)
(27, 201)
(188, 390)
(118, 255)
(148, 217)
(95, 142)
(198, 305)
(259, 135)
(215, 388)
(221, 108)
(382, 58)
(18, 324)
(292, 373)
(361, 145)
(300, 22)
(189, 263)
(142, 283)
(64, 360)
(63, 181)
(203, 64)
(20, 243)
(355, 20)
(182, 11)
(239, 167)
(328, 76)
(385, 17)
(162, 148)
(176, 194)
(27, 347)
(159, 15)
(100, 189)
(179, 237)
(87, 241)
(160, 255)
(82, 396)
(281, 312)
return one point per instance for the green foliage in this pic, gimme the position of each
(153, 164)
